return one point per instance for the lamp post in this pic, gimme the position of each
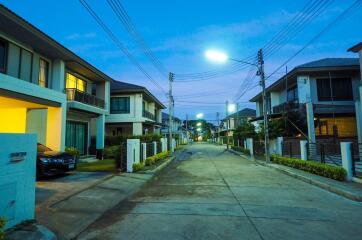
(222, 57)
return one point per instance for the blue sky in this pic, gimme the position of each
(179, 32)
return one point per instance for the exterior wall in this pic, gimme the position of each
(259, 108)
(135, 114)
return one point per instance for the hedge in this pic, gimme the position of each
(321, 169)
(72, 151)
(138, 167)
(152, 160)
(111, 152)
(240, 149)
(2, 227)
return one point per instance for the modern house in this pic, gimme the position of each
(46, 89)
(133, 111)
(234, 120)
(318, 97)
(176, 126)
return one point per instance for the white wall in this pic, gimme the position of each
(17, 177)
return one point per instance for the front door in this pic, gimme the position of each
(76, 136)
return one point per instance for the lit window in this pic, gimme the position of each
(75, 83)
(43, 73)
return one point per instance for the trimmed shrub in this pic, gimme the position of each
(152, 160)
(2, 228)
(321, 169)
(138, 167)
(240, 149)
(72, 151)
(111, 152)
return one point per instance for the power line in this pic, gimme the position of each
(119, 44)
(127, 22)
(353, 7)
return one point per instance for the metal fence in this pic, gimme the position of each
(291, 147)
(159, 147)
(258, 147)
(327, 152)
(121, 158)
(149, 149)
(357, 159)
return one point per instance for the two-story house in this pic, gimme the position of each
(233, 121)
(329, 85)
(133, 111)
(176, 125)
(46, 89)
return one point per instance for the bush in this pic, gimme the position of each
(321, 169)
(240, 149)
(72, 151)
(2, 228)
(138, 167)
(111, 152)
(152, 160)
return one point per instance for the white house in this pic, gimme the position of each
(133, 111)
(318, 97)
(46, 89)
(234, 120)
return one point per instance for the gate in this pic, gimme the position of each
(259, 147)
(121, 157)
(357, 159)
(291, 147)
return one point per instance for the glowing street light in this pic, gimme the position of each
(199, 115)
(216, 56)
(198, 124)
(231, 107)
(199, 129)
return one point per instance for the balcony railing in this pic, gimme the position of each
(78, 96)
(286, 107)
(148, 115)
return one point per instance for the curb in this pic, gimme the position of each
(161, 166)
(325, 186)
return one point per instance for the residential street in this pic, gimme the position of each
(208, 193)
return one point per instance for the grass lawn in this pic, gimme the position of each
(106, 165)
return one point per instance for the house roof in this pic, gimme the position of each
(165, 116)
(19, 28)
(244, 113)
(325, 64)
(356, 48)
(124, 88)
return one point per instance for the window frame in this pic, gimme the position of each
(3, 69)
(327, 82)
(46, 73)
(112, 110)
(77, 78)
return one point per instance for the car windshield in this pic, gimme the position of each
(42, 148)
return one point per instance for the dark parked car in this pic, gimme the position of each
(52, 163)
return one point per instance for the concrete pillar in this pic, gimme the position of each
(303, 149)
(103, 92)
(279, 146)
(100, 125)
(164, 144)
(58, 75)
(137, 129)
(173, 145)
(144, 151)
(250, 146)
(311, 128)
(133, 153)
(347, 159)
(55, 128)
(154, 148)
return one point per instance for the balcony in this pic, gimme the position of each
(286, 107)
(147, 114)
(86, 98)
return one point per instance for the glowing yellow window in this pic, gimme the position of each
(71, 81)
(81, 85)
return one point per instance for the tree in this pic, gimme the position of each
(245, 130)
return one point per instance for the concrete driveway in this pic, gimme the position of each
(209, 193)
(54, 189)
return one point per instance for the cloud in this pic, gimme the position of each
(78, 36)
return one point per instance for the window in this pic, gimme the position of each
(120, 105)
(3, 57)
(76, 83)
(341, 89)
(43, 73)
(292, 94)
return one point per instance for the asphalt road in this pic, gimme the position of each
(209, 193)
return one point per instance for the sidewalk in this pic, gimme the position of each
(67, 216)
(350, 190)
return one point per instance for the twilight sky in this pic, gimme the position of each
(179, 32)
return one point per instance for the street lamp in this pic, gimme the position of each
(199, 129)
(199, 115)
(198, 124)
(221, 57)
(231, 108)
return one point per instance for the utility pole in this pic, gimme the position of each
(227, 125)
(170, 97)
(187, 130)
(265, 107)
(218, 127)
